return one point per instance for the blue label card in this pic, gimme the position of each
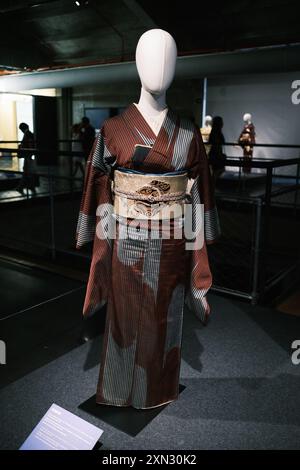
(61, 430)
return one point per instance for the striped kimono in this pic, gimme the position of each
(144, 280)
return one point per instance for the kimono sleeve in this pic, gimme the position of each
(203, 193)
(95, 212)
(96, 190)
(206, 225)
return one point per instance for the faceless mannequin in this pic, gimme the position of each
(128, 160)
(246, 139)
(156, 55)
(206, 130)
(208, 121)
(247, 118)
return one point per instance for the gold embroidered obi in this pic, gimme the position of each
(149, 196)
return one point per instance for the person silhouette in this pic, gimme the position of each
(216, 141)
(28, 179)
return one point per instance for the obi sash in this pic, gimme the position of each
(149, 196)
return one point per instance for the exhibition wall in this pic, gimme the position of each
(184, 96)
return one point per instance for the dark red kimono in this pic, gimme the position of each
(144, 280)
(246, 139)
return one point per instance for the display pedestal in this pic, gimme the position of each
(126, 419)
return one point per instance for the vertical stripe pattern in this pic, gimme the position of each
(143, 278)
(182, 144)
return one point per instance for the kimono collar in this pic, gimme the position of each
(138, 123)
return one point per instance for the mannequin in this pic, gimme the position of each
(205, 132)
(246, 138)
(138, 168)
(156, 54)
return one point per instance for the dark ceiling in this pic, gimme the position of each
(56, 32)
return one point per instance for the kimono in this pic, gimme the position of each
(246, 138)
(144, 281)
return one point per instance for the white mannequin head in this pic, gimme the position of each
(208, 120)
(247, 117)
(156, 54)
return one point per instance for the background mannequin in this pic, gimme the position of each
(156, 55)
(205, 132)
(246, 138)
(206, 129)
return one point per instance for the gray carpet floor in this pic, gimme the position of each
(242, 390)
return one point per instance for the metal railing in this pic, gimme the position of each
(240, 261)
(52, 188)
(255, 251)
